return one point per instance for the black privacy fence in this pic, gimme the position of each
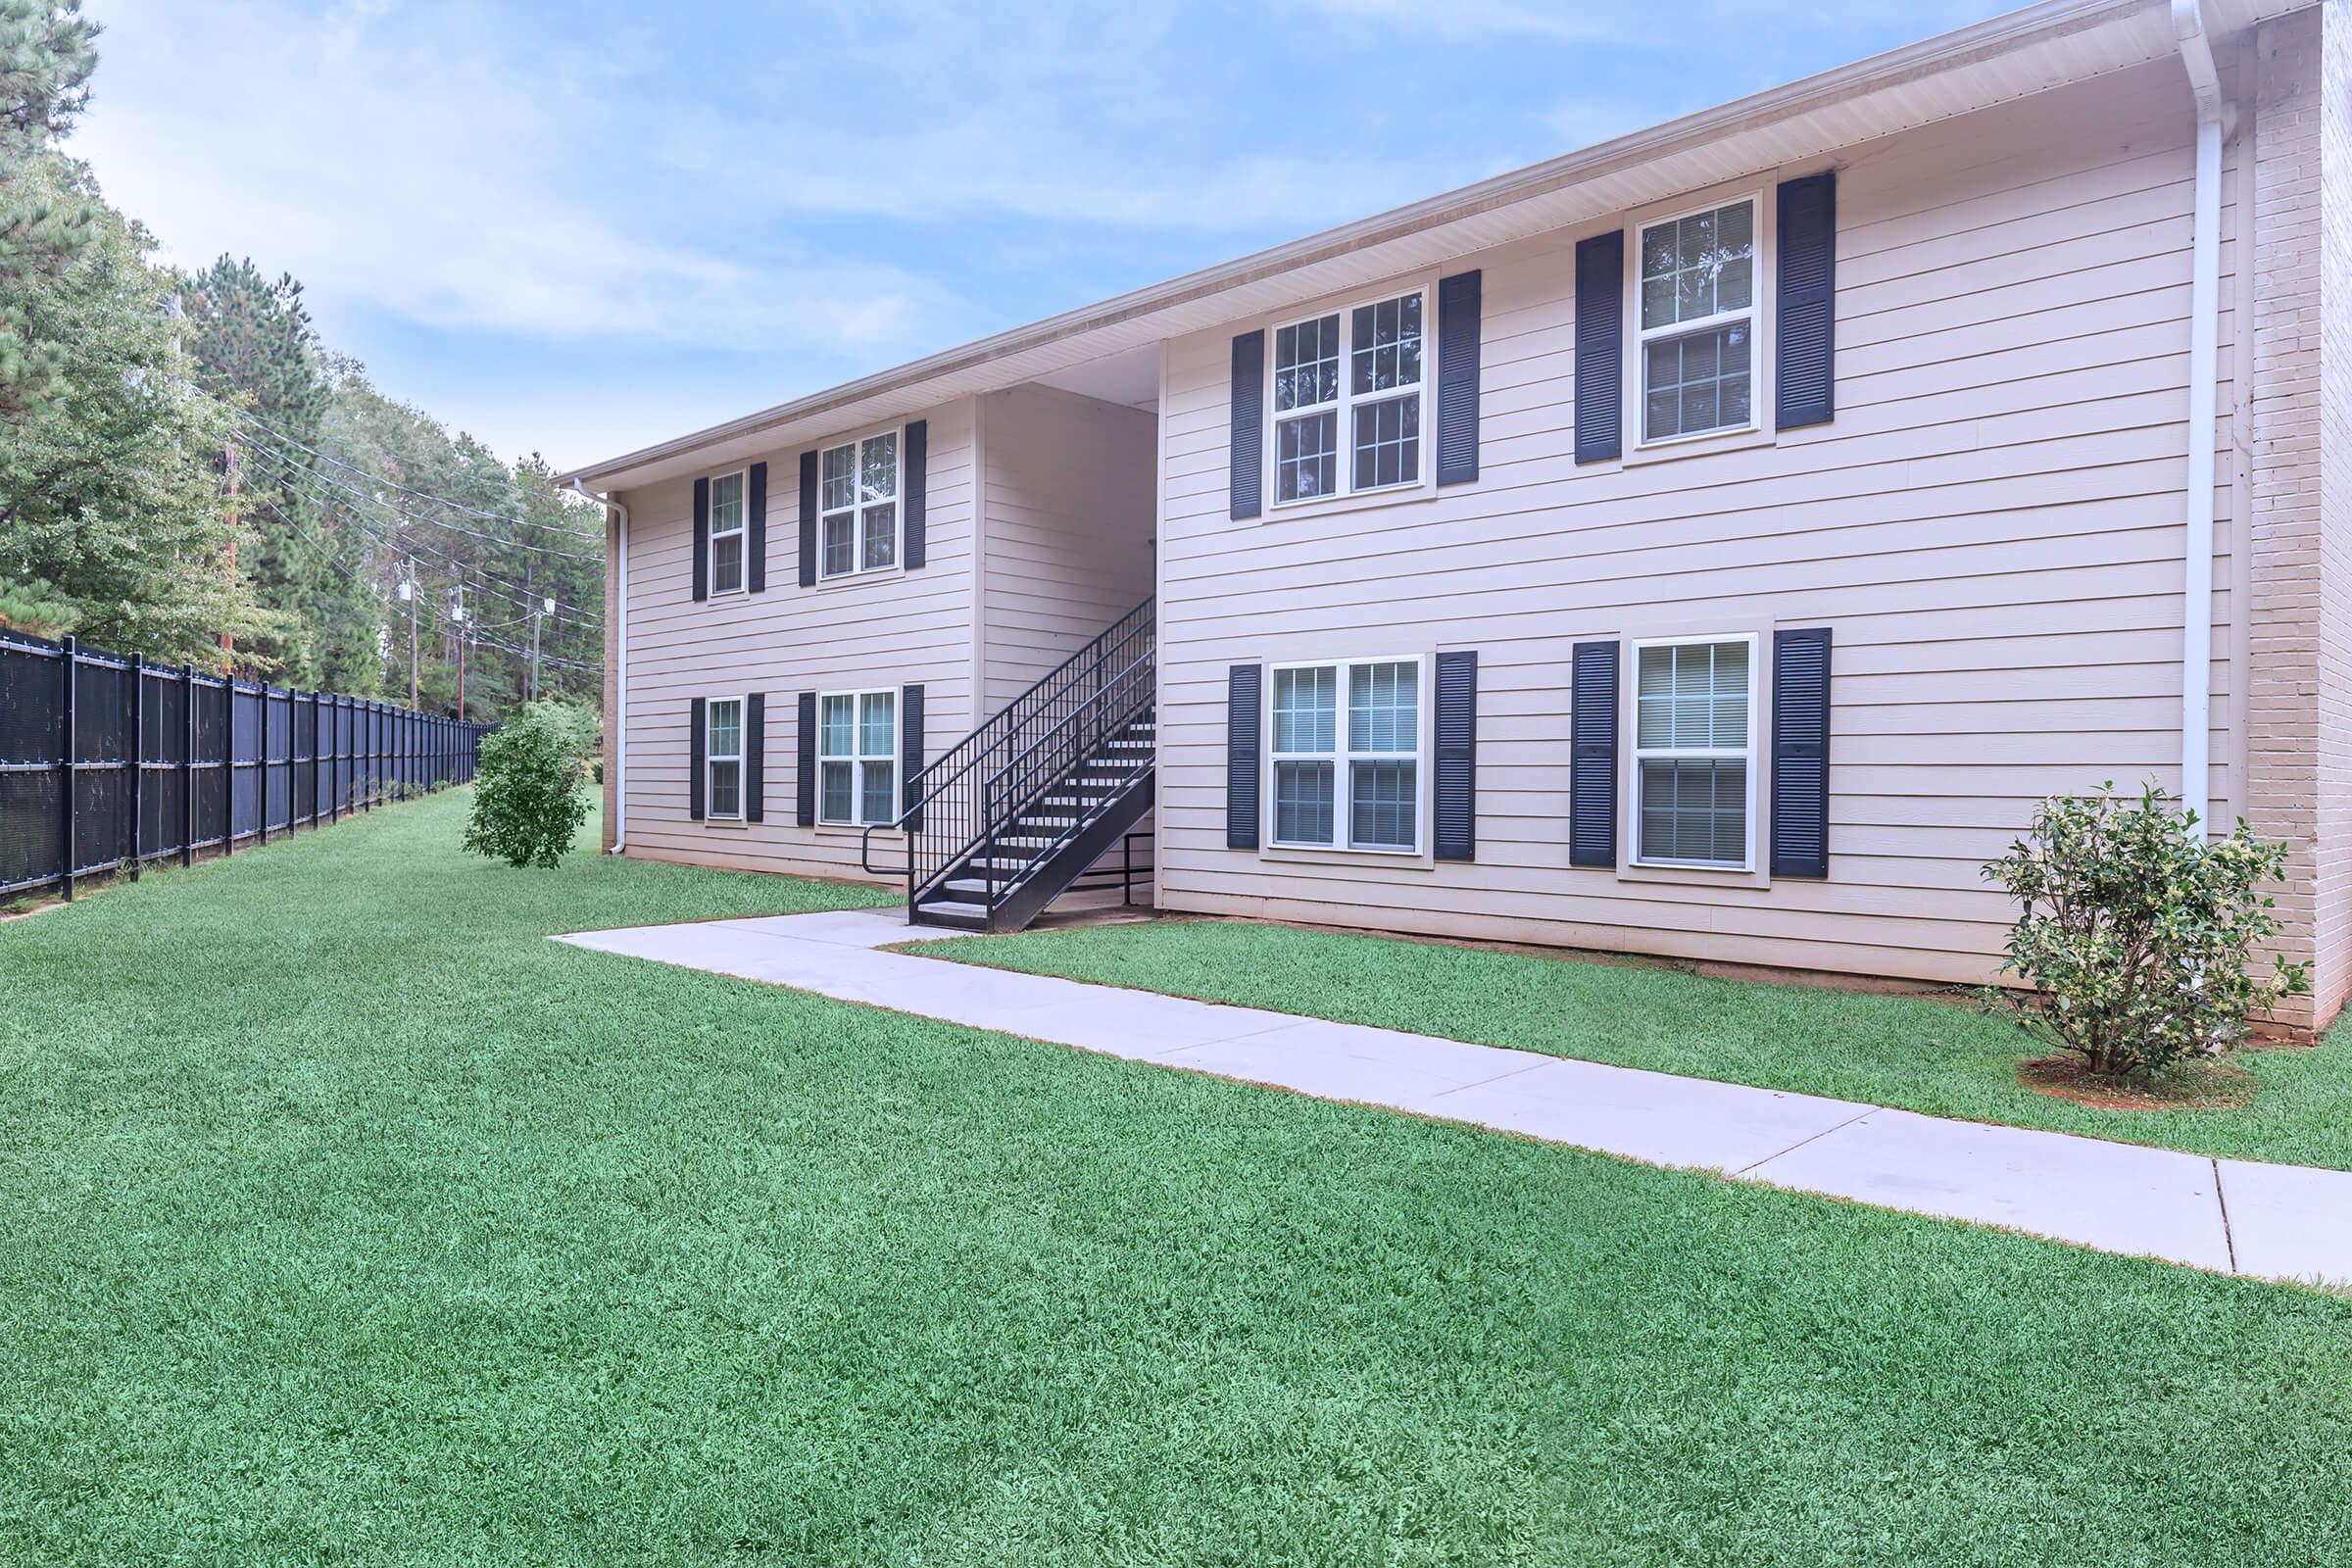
(107, 763)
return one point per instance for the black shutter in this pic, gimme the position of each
(702, 542)
(1800, 752)
(1459, 308)
(754, 573)
(804, 780)
(1241, 757)
(910, 748)
(1593, 756)
(695, 756)
(1600, 347)
(1248, 458)
(1805, 357)
(913, 475)
(807, 528)
(1458, 756)
(754, 757)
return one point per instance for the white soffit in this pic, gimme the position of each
(2008, 58)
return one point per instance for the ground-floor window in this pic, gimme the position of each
(858, 756)
(722, 753)
(1348, 780)
(1695, 752)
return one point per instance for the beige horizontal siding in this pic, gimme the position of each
(1991, 525)
(1067, 547)
(890, 629)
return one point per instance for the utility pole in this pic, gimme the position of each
(465, 640)
(408, 591)
(547, 607)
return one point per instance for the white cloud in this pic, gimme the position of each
(438, 181)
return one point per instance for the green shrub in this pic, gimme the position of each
(2137, 932)
(528, 799)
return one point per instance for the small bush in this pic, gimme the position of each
(2137, 932)
(528, 799)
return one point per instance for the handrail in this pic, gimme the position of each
(950, 809)
(1019, 802)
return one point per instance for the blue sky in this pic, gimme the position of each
(578, 227)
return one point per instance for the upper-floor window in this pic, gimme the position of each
(1695, 752)
(858, 756)
(729, 517)
(857, 505)
(1346, 404)
(1351, 778)
(1699, 319)
(722, 740)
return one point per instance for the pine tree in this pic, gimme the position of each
(47, 53)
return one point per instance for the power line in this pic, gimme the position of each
(521, 596)
(422, 495)
(278, 454)
(479, 634)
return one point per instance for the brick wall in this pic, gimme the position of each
(2301, 633)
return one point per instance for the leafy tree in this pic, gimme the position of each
(529, 798)
(110, 494)
(251, 341)
(2137, 932)
(47, 53)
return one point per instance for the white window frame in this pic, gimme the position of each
(1638, 752)
(742, 531)
(1756, 314)
(857, 509)
(1342, 756)
(739, 757)
(1344, 406)
(859, 760)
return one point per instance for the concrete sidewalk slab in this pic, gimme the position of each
(2287, 1222)
(1350, 1062)
(2116, 1198)
(1654, 1117)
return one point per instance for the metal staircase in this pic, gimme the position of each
(1010, 817)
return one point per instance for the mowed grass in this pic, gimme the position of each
(1923, 1054)
(351, 1221)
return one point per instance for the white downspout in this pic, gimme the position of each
(2204, 356)
(617, 722)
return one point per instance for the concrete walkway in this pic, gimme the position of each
(2286, 1222)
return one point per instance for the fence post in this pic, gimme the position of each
(318, 773)
(138, 754)
(187, 767)
(229, 762)
(261, 771)
(65, 766)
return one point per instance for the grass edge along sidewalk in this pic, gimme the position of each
(1911, 1052)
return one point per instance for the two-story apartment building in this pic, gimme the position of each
(1711, 543)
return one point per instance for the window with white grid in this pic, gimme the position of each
(1695, 752)
(858, 756)
(1698, 289)
(1346, 756)
(1347, 400)
(722, 757)
(729, 519)
(857, 505)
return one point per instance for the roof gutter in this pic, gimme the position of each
(2214, 118)
(617, 722)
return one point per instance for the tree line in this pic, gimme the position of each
(187, 472)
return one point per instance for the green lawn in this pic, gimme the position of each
(1897, 1051)
(350, 1221)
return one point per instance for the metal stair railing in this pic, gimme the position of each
(1079, 742)
(950, 809)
